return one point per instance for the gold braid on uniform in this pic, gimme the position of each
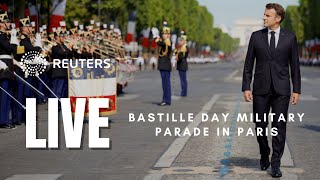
(167, 42)
(183, 49)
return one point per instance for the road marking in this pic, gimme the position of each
(206, 79)
(238, 78)
(210, 170)
(153, 177)
(286, 159)
(34, 177)
(175, 97)
(231, 75)
(176, 147)
(225, 168)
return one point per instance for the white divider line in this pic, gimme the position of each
(231, 75)
(286, 159)
(153, 177)
(176, 147)
(174, 97)
(34, 177)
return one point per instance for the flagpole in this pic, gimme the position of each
(99, 12)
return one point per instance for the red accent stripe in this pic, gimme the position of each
(112, 103)
(129, 38)
(145, 42)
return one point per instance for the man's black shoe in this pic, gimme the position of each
(264, 164)
(7, 126)
(11, 126)
(275, 172)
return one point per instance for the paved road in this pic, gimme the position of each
(137, 153)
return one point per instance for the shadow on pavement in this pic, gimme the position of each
(311, 127)
(241, 162)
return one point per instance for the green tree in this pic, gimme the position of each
(310, 13)
(293, 22)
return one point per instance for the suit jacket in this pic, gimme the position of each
(272, 67)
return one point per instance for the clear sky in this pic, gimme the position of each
(225, 12)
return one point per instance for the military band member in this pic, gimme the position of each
(60, 75)
(182, 64)
(164, 63)
(27, 35)
(7, 48)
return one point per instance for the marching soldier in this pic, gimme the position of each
(22, 91)
(44, 76)
(60, 75)
(7, 48)
(164, 63)
(182, 64)
(26, 30)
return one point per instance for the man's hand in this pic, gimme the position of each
(295, 98)
(3, 65)
(38, 41)
(14, 39)
(247, 95)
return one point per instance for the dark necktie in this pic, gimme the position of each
(272, 41)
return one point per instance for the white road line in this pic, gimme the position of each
(176, 147)
(175, 97)
(34, 177)
(231, 75)
(153, 177)
(206, 79)
(286, 159)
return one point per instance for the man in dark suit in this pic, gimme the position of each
(275, 51)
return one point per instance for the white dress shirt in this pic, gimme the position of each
(276, 35)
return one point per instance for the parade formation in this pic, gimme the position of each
(22, 77)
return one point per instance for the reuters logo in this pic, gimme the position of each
(33, 63)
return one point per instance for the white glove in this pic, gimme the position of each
(14, 39)
(155, 32)
(38, 41)
(3, 65)
(173, 46)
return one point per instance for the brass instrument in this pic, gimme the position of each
(49, 44)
